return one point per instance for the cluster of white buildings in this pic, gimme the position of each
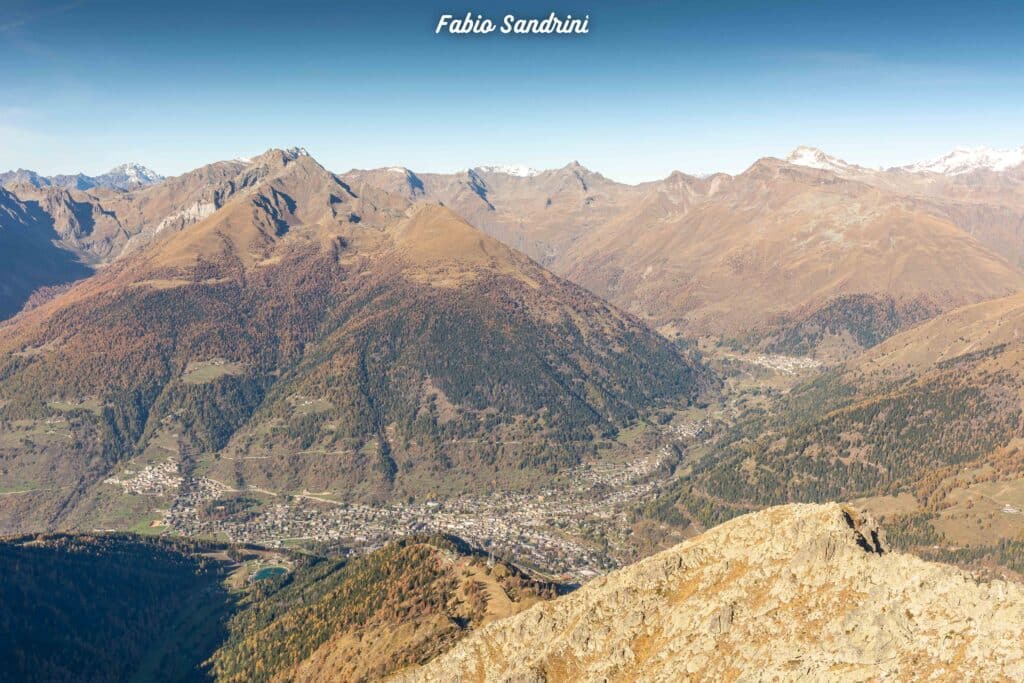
(551, 530)
(162, 479)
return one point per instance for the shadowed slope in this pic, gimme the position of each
(108, 608)
(30, 255)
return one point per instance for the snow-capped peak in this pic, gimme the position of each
(812, 157)
(518, 171)
(967, 159)
(136, 173)
(287, 155)
(128, 176)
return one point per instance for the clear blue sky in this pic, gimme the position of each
(654, 87)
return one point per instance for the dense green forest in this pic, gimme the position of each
(828, 440)
(914, 533)
(534, 375)
(867, 319)
(108, 608)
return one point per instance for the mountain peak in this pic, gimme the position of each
(676, 177)
(24, 176)
(132, 167)
(295, 152)
(127, 176)
(966, 159)
(812, 157)
(280, 157)
(435, 234)
(135, 173)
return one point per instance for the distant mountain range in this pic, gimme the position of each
(132, 175)
(127, 176)
(957, 162)
(960, 160)
(779, 256)
(807, 255)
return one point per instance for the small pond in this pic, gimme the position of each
(268, 573)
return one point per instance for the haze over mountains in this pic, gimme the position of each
(127, 176)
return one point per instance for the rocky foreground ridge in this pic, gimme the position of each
(799, 592)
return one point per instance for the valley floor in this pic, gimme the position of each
(574, 528)
(581, 523)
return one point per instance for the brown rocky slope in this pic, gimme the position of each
(800, 592)
(796, 259)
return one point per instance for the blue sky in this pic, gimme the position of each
(654, 87)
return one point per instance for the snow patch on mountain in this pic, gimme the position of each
(518, 171)
(812, 157)
(128, 176)
(137, 173)
(967, 159)
(296, 152)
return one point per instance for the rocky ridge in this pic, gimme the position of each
(798, 592)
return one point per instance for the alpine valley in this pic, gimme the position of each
(284, 423)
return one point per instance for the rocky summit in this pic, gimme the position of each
(799, 592)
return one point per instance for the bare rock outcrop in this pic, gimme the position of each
(799, 592)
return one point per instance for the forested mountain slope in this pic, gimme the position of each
(362, 619)
(108, 608)
(927, 428)
(429, 350)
